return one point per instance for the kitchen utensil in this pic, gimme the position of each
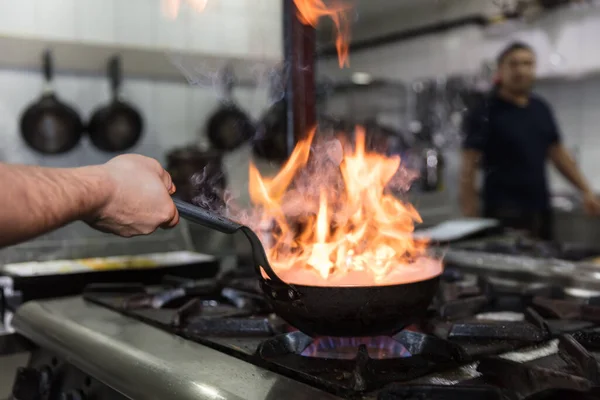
(50, 126)
(116, 126)
(271, 141)
(229, 127)
(327, 311)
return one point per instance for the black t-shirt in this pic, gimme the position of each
(514, 141)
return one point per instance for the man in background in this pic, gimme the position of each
(511, 136)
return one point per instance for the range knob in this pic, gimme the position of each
(73, 395)
(31, 383)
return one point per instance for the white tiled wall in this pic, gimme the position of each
(175, 115)
(225, 27)
(571, 34)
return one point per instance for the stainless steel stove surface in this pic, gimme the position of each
(520, 245)
(483, 339)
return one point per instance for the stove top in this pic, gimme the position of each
(519, 245)
(484, 338)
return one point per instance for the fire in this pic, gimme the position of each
(329, 218)
(309, 12)
(171, 7)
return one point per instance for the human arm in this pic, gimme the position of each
(475, 126)
(468, 198)
(564, 163)
(128, 196)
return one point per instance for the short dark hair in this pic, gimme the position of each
(512, 47)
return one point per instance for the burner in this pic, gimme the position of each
(349, 365)
(379, 347)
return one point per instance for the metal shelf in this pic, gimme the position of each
(24, 53)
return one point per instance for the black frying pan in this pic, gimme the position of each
(327, 311)
(50, 126)
(271, 134)
(117, 126)
(228, 127)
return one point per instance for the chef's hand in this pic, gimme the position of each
(591, 204)
(138, 199)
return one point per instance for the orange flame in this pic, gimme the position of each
(171, 7)
(333, 222)
(309, 12)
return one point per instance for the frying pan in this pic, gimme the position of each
(117, 126)
(229, 127)
(49, 125)
(271, 142)
(327, 311)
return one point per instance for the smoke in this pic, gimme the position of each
(209, 190)
(261, 75)
(300, 202)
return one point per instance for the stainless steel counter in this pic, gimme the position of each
(142, 362)
(525, 269)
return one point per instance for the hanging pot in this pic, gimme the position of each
(50, 126)
(228, 127)
(117, 126)
(271, 134)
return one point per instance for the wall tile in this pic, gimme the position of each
(170, 117)
(136, 22)
(55, 18)
(234, 34)
(173, 33)
(17, 17)
(202, 102)
(205, 32)
(95, 21)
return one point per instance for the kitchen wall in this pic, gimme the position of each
(175, 112)
(565, 41)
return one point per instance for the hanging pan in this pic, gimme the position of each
(48, 125)
(117, 126)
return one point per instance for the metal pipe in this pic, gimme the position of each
(299, 54)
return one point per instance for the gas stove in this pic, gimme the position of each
(517, 244)
(483, 338)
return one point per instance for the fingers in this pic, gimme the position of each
(172, 220)
(167, 181)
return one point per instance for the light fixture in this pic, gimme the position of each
(361, 78)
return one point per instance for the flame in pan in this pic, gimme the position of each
(329, 217)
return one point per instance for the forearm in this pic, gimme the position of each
(35, 200)
(468, 197)
(565, 164)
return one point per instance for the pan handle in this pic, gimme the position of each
(48, 67)
(114, 74)
(205, 218)
(210, 220)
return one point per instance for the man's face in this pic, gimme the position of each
(517, 71)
